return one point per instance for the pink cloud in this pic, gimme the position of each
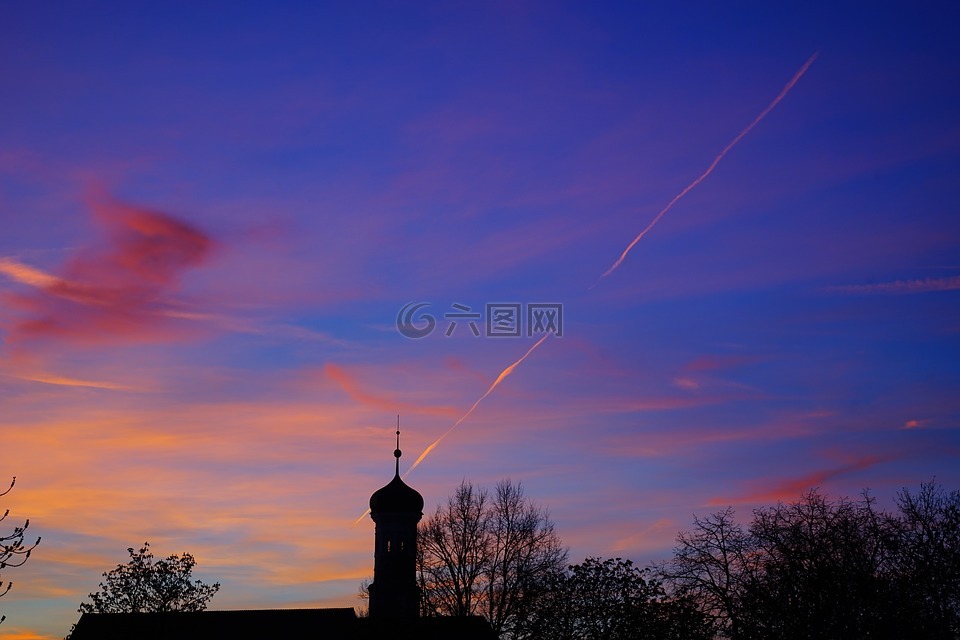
(916, 424)
(793, 488)
(352, 386)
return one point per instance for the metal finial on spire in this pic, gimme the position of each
(397, 453)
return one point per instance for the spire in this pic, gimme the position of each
(397, 453)
(396, 509)
(396, 497)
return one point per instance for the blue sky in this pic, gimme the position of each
(212, 215)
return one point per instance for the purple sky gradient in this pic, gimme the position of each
(210, 217)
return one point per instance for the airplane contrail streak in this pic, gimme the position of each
(506, 372)
(500, 378)
(713, 165)
(503, 374)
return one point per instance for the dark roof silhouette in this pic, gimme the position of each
(273, 623)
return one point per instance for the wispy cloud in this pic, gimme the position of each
(720, 362)
(68, 382)
(919, 285)
(24, 274)
(793, 488)
(354, 388)
(652, 536)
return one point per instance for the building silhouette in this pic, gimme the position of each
(394, 597)
(396, 509)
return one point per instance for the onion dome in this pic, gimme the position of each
(397, 496)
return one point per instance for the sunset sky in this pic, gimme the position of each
(211, 215)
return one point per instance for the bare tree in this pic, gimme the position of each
(363, 595)
(13, 552)
(525, 548)
(830, 569)
(453, 552)
(712, 565)
(489, 556)
(925, 559)
(823, 572)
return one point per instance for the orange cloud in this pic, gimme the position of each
(20, 272)
(120, 290)
(200, 478)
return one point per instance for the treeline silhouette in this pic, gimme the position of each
(821, 568)
(817, 568)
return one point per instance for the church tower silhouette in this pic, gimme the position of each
(396, 509)
(394, 597)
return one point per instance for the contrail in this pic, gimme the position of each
(796, 77)
(503, 374)
(713, 165)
